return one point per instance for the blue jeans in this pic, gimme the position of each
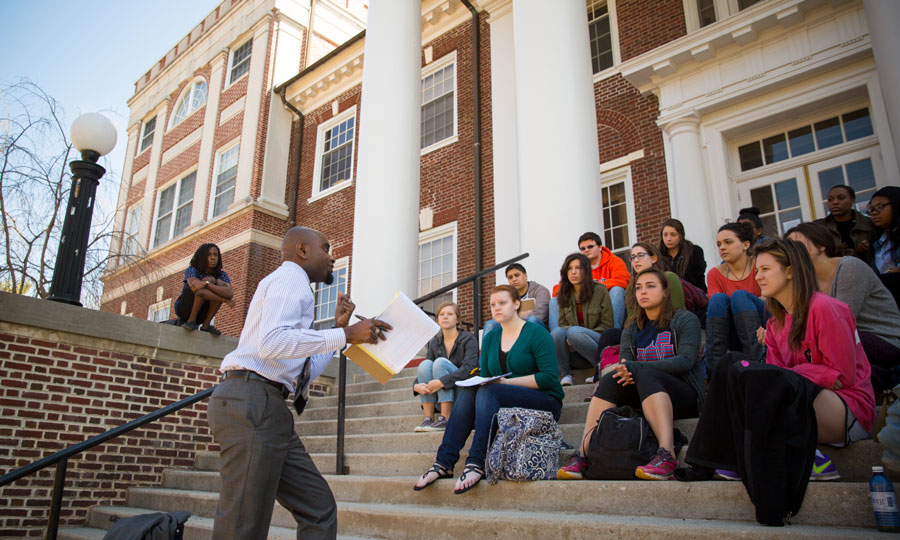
(583, 340)
(731, 323)
(492, 324)
(435, 369)
(476, 407)
(617, 297)
(553, 314)
(722, 305)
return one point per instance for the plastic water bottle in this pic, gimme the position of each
(884, 503)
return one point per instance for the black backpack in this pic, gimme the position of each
(620, 442)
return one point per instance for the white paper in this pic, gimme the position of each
(412, 329)
(478, 380)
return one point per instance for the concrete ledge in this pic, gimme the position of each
(166, 342)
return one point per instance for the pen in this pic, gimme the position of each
(360, 317)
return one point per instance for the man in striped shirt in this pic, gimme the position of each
(278, 353)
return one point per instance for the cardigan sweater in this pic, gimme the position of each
(533, 353)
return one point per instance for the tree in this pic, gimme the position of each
(34, 189)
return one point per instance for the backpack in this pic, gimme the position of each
(621, 442)
(694, 298)
(525, 446)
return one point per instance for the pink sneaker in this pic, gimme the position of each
(660, 467)
(574, 469)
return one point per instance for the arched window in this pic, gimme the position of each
(193, 97)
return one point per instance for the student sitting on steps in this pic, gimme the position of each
(451, 356)
(659, 372)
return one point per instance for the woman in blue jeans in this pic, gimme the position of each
(585, 312)
(451, 356)
(524, 351)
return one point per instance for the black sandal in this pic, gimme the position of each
(473, 469)
(442, 472)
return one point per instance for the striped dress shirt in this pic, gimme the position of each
(277, 336)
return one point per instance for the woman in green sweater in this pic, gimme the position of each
(524, 352)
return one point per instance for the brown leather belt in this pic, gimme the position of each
(254, 376)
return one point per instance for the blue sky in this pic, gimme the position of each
(87, 54)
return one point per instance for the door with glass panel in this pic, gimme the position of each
(858, 170)
(782, 200)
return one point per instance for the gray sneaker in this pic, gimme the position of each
(424, 425)
(566, 380)
(438, 425)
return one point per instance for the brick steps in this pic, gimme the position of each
(385, 456)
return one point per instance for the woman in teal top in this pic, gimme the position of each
(525, 351)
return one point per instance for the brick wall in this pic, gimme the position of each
(69, 374)
(644, 25)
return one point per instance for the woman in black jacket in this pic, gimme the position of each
(683, 256)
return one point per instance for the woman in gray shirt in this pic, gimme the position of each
(853, 282)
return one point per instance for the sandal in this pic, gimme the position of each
(470, 468)
(442, 472)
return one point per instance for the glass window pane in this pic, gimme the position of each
(762, 198)
(770, 225)
(706, 9)
(744, 4)
(775, 148)
(620, 237)
(616, 194)
(828, 133)
(750, 156)
(857, 124)
(789, 219)
(829, 178)
(860, 175)
(786, 194)
(801, 141)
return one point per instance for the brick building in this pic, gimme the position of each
(609, 115)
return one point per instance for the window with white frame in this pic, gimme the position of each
(335, 142)
(618, 212)
(326, 295)
(240, 61)
(130, 244)
(438, 116)
(193, 97)
(159, 312)
(601, 35)
(147, 136)
(173, 209)
(437, 263)
(701, 13)
(223, 195)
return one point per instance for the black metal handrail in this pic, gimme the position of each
(340, 467)
(61, 458)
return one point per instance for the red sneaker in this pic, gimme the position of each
(660, 467)
(574, 469)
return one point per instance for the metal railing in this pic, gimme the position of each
(340, 466)
(61, 458)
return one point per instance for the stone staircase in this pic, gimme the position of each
(385, 456)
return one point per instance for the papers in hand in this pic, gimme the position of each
(412, 329)
(478, 380)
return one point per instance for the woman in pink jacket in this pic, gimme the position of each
(815, 336)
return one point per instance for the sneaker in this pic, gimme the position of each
(440, 424)
(589, 380)
(660, 467)
(190, 325)
(725, 474)
(424, 425)
(574, 469)
(823, 468)
(566, 381)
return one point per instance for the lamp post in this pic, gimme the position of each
(94, 136)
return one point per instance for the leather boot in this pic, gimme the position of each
(746, 324)
(717, 329)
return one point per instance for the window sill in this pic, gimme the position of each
(440, 144)
(333, 189)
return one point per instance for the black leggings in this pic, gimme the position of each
(649, 381)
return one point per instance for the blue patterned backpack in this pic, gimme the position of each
(525, 447)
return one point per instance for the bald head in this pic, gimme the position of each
(309, 249)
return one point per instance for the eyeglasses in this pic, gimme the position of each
(876, 209)
(637, 256)
(587, 247)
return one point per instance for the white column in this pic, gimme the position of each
(882, 17)
(252, 105)
(690, 195)
(385, 226)
(503, 125)
(207, 136)
(149, 206)
(115, 244)
(558, 159)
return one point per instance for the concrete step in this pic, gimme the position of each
(375, 464)
(826, 503)
(398, 382)
(445, 523)
(197, 527)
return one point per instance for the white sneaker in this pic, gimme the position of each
(566, 381)
(589, 380)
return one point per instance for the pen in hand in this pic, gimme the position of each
(380, 330)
